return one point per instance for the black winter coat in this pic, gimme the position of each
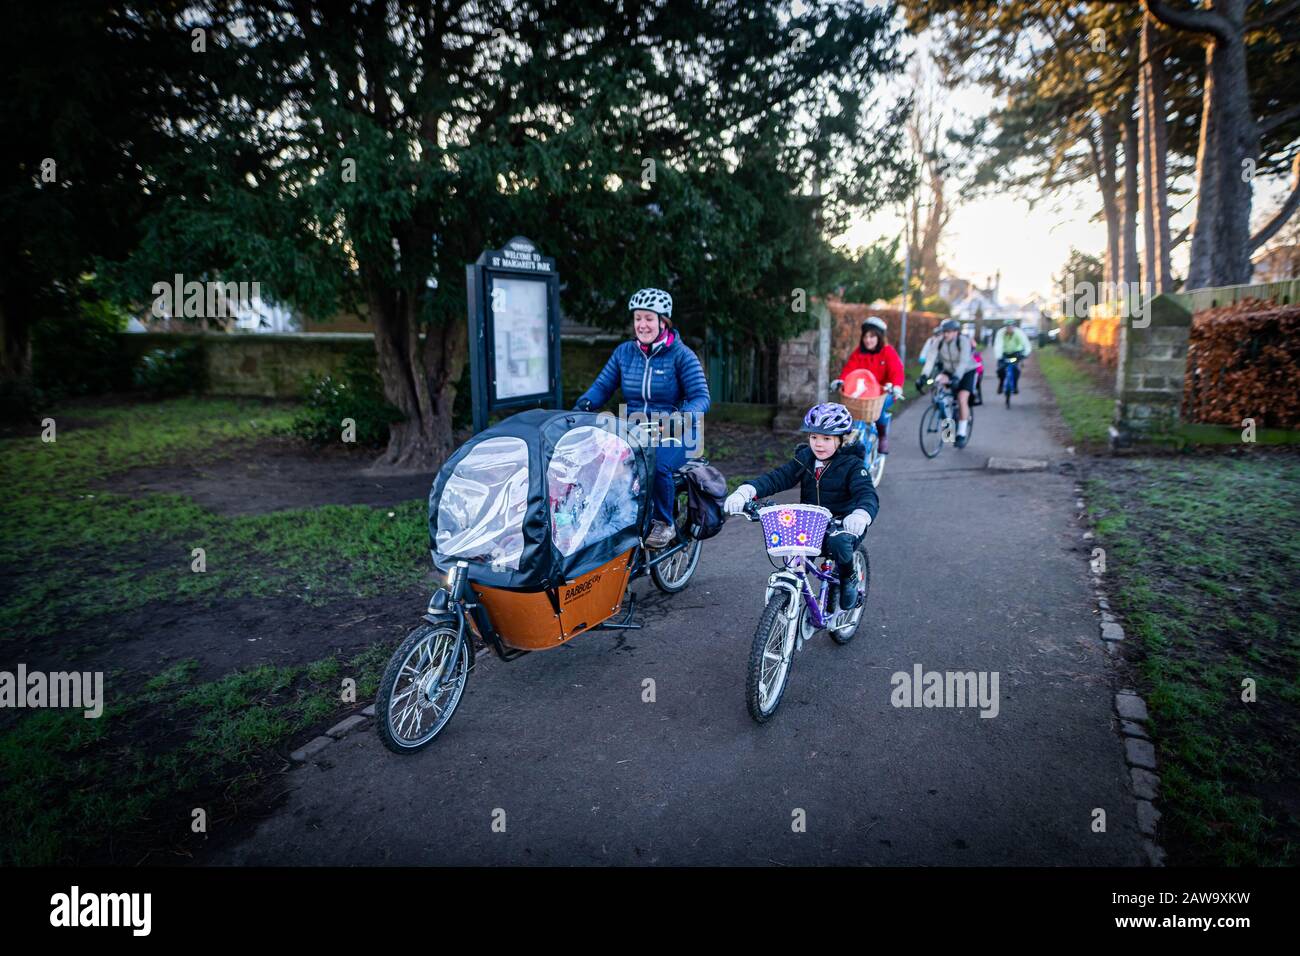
(845, 483)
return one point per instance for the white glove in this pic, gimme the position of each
(857, 522)
(736, 501)
(898, 393)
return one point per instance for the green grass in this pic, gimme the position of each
(71, 786)
(1201, 556)
(1086, 409)
(86, 552)
(77, 558)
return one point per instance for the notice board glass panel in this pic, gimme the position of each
(520, 340)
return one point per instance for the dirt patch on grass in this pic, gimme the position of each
(276, 474)
(745, 451)
(156, 754)
(234, 635)
(283, 473)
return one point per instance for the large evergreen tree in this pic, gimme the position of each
(673, 144)
(87, 100)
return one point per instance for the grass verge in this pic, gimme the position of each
(1200, 563)
(122, 787)
(1087, 409)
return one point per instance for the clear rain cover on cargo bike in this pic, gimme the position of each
(540, 498)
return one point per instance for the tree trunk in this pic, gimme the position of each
(419, 378)
(17, 306)
(15, 347)
(1129, 273)
(1229, 144)
(1110, 201)
(1240, 147)
(1155, 147)
(934, 222)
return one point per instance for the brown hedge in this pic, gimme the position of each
(1243, 361)
(846, 329)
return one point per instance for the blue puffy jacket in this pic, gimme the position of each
(669, 379)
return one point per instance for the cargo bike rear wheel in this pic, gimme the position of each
(674, 573)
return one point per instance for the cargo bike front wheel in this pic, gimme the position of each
(422, 686)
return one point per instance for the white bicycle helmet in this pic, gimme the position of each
(656, 300)
(875, 322)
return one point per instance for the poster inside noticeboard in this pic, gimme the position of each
(520, 336)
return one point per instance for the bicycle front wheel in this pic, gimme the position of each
(932, 431)
(417, 694)
(770, 659)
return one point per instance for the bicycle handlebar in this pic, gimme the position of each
(753, 505)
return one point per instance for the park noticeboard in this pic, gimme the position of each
(513, 298)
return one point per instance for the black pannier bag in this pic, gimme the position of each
(706, 490)
(540, 499)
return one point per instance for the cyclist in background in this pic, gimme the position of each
(1009, 341)
(878, 357)
(948, 356)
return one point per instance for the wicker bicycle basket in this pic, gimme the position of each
(864, 409)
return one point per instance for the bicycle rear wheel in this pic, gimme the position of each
(862, 567)
(675, 573)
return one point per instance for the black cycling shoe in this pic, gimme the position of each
(961, 441)
(849, 594)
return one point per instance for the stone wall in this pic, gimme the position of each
(803, 371)
(275, 365)
(1152, 361)
(269, 365)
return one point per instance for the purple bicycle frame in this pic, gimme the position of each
(814, 603)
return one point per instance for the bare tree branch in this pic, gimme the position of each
(1278, 119)
(1289, 206)
(1190, 21)
(1281, 13)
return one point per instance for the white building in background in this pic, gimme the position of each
(262, 316)
(972, 304)
(253, 314)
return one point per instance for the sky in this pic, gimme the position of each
(1000, 232)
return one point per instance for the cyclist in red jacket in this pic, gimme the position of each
(882, 361)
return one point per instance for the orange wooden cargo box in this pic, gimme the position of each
(536, 620)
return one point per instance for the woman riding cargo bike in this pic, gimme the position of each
(540, 524)
(658, 376)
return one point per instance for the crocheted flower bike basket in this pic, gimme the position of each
(794, 529)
